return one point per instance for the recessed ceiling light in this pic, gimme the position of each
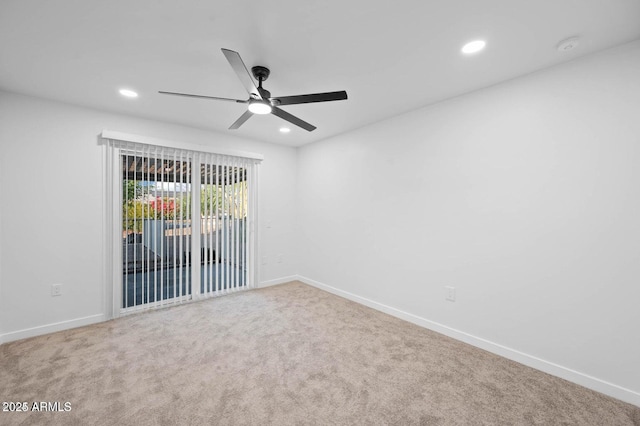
(284, 130)
(473, 47)
(128, 93)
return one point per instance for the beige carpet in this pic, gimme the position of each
(284, 355)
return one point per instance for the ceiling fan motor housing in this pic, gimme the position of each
(260, 73)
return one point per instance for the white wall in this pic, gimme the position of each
(51, 174)
(524, 196)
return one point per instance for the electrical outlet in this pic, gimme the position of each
(450, 293)
(56, 289)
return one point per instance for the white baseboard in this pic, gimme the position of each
(582, 379)
(277, 281)
(50, 328)
(79, 322)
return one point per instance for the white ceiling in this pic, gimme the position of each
(391, 57)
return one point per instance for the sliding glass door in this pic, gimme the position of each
(224, 206)
(186, 221)
(156, 227)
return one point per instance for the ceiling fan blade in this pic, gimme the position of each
(241, 70)
(315, 97)
(203, 97)
(292, 119)
(240, 121)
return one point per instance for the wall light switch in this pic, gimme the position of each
(450, 293)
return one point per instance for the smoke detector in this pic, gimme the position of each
(568, 44)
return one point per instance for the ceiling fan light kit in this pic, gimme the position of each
(260, 100)
(259, 107)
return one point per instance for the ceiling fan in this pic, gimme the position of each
(260, 100)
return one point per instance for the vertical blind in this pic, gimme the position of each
(182, 222)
